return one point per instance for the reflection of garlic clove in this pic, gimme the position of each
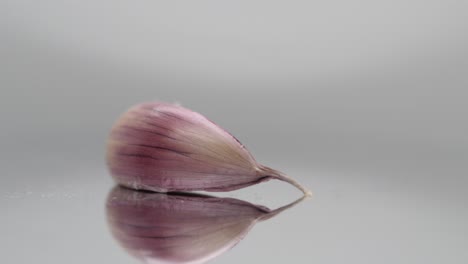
(180, 228)
(164, 147)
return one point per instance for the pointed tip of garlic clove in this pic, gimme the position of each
(273, 213)
(275, 174)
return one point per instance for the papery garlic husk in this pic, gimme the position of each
(180, 228)
(164, 147)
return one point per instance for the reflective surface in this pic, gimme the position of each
(181, 227)
(362, 102)
(349, 217)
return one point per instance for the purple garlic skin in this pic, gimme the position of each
(180, 228)
(164, 147)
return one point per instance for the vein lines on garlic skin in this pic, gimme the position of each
(167, 147)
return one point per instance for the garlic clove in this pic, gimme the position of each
(180, 228)
(164, 147)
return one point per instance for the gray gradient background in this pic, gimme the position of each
(364, 102)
